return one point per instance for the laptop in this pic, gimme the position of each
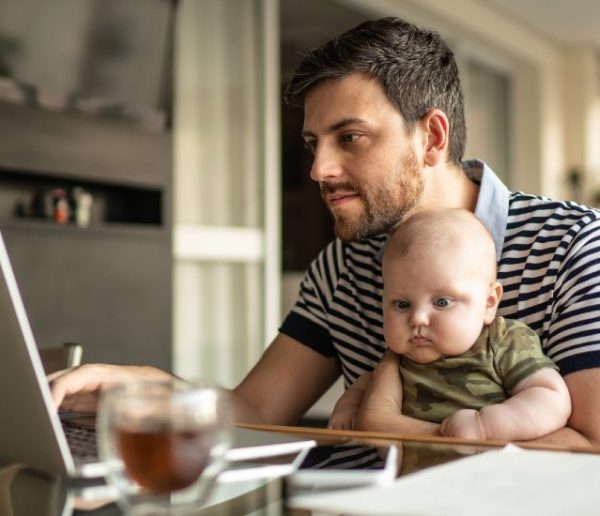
(31, 431)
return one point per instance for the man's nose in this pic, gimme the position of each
(326, 165)
(418, 317)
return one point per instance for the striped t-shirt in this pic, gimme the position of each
(548, 264)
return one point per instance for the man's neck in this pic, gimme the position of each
(448, 186)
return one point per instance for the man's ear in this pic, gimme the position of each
(436, 129)
(492, 301)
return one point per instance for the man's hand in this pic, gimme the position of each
(78, 388)
(347, 406)
(464, 424)
(382, 401)
(381, 409)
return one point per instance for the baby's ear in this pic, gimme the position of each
(492, 302)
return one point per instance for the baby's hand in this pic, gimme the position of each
(463, 424)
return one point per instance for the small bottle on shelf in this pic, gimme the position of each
(61, 206)
(83, 206)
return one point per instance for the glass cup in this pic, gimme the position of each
(164, 443)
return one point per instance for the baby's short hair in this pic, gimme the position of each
(445, 229)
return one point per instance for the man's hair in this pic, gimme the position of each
(414, 65)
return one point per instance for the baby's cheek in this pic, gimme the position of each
(459, 338)
(395, 338)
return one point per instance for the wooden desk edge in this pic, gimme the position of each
(315, 433)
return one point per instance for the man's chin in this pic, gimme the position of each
(348, 232)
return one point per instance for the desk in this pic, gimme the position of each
(25, 494)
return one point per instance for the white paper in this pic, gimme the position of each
(511, 481)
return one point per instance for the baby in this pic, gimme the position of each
(479, 375)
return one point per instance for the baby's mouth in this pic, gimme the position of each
(418, 340)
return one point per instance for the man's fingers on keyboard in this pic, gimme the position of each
(85, 402)
(73, 383)
(56, 374)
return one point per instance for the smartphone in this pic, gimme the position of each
(340, 465)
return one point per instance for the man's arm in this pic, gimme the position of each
(578, 318)
(584, 424)
(539, 404)
(284, 384)
(381, 409)
(78, 388)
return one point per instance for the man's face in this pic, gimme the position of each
(364, 160)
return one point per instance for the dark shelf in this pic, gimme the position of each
(26, 196)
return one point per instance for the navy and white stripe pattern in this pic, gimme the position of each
(549, 267)
(550, 270)
(343, 456)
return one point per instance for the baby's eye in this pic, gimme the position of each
(442, 302)
(401, 305)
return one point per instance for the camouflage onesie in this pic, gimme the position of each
(505, 353)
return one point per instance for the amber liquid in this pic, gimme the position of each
(163, 460)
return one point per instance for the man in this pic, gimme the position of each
(384, 119)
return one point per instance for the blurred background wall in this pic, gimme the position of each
(245, 219)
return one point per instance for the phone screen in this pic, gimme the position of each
(342, 457)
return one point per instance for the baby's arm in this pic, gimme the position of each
(539, 404)
(344, 413)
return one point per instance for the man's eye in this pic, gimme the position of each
(401, 305)
(348, 137)
(442, 302)
(311, 145)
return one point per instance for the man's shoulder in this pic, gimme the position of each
(531, 215)
(523, 203)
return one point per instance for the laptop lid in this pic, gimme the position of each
(30, 432)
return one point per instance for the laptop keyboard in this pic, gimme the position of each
(82, 440)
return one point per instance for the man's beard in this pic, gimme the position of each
(386, 204)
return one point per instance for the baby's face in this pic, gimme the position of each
(434, 305)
